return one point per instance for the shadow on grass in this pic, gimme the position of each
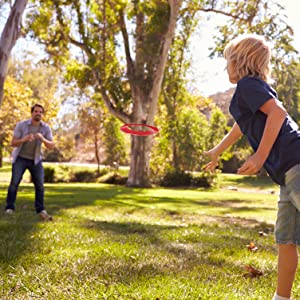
(184, 253)
(233, 206)
(16, 231)
(252, 181)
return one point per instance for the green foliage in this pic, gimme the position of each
(91, 30)
(175, 178)
(205, 179)
(113, 178)
(84, 176)
(17, 99)
(181, 141)
(288, 85)
(59, 173)
(179, 178)
(63, 173)
(217, 126)
(114, 143)
(191, 137)
(49, 174)
(91, 119)
(232, 159)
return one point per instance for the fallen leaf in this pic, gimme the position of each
(252, 272)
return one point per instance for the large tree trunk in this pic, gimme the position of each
(139, 161)
(8, 39)
(144, 111)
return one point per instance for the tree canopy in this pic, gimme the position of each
(119, 50)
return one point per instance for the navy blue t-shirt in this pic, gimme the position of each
(250, 94)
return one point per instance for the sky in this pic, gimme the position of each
(209, 76)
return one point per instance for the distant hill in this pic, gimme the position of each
(222, 100)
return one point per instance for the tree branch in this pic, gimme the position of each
(130, 66)
(80, 45)
(158, 76)
(107, 101)
(217, 11)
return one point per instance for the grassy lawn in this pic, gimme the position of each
(113, 242)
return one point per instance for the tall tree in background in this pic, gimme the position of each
(91, 127)
(42, 79)
(114, 143)
(122, 49)
(174, 92)
(119, 49)
(9, 36)
(15, 105)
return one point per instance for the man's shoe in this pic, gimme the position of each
(9, 211)
(44, 216)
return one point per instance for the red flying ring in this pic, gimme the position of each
(126, 128)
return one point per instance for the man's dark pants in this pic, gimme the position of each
(37, 175)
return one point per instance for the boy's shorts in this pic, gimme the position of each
(287, 228)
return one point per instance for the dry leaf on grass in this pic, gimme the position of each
(252, 272)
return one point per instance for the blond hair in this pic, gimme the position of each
(249, 55)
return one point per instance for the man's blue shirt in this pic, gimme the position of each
(250, 94)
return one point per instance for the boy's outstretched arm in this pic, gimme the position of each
(229, 139)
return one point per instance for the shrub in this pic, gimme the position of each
(84, 176)
(113, 178)
(174, 178)
(204, 179)
(179, 178)
(49, 174)
(63, 173)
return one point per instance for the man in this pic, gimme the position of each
(28, 137)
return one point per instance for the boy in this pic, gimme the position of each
(275, 139)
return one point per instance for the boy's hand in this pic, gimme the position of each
(214, 156)
(251, 166)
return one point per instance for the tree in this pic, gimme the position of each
(16, 103)
(91, 120)
(194, 131)
(96, 29)
(65, 133)
(9, 36)
(174, 94)
(114, 143)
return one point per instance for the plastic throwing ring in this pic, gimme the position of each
(127, 129)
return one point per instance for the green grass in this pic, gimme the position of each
(113, 242)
